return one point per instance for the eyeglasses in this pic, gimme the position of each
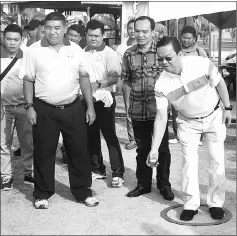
(161, 59)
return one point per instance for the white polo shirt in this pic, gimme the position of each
(193, 92)
(56, 74)
(103, 62)
(11, 85)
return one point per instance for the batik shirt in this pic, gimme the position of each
(141, 70)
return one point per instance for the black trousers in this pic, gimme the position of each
(72, 124)
(105, 122)
(143, 131)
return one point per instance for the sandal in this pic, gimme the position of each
(90, 201)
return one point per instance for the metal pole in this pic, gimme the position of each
(210, 48)
(219, 46)
(168, 27)
(177, 28)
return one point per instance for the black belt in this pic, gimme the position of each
(215, 108)
(57, 106)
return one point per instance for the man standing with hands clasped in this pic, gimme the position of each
(54, 66)
(104, 70)
(195, 88)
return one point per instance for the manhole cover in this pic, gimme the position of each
(203, 217)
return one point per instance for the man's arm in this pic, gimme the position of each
(113, 68)
(218, 82)
(159, 129)
(86, 90)
(223, 92)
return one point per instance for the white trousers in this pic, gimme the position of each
(189, 132)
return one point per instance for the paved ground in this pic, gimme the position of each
(116, 214)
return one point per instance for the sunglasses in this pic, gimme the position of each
(161, 59)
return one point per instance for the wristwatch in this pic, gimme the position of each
(99, 83)
(28, 105)
(229, 108)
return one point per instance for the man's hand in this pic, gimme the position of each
(31, 115)
(152, 159)
(104, 96)
(90, 116)
(2, 112)
(227, 115)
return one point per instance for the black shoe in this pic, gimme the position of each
(28, 179)
(17, 153)
(139, 190)
(188, 215)
(216, 213)
(167, 193)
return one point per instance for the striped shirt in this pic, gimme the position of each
(142, 70)
(193, 92)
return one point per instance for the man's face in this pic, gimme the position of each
(143, 32)
(12, 41)
(171, 60)
(54, 31)
(41, 32)
(73, 36)
(131, 31)
(94, 38)
(33, 33)
(187, 40)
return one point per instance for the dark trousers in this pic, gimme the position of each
(143, 135)
(105, 122)
(71, 122)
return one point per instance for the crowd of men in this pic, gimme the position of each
(56, 84)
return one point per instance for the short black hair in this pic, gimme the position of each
(130, 22)
(74, 27)
(147, 18)
(13, 28)
(166, 40)
(55, 16)
(42, 23)
(95, 24)
(189, 29)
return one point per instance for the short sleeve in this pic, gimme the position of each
(113, 64)
(83, 63)
(27, 69)
(161, 100)
(212, 72)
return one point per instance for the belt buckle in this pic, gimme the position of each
(60, 107)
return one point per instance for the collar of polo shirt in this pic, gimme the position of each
(4, 54)
(45, 43)
(100, 48)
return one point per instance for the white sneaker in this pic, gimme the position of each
(41, 204)
(173, 141)
(117, 182)
(98, 176)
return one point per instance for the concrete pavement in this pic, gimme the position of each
(116, 214)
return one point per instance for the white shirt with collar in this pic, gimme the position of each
(56, 74)
(192, 93)
(103, 62)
